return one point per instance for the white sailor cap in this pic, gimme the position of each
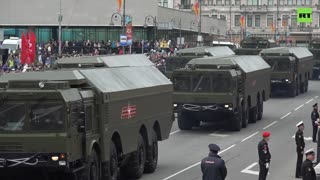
(311, 151)
(299, 123)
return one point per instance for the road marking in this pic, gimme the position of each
(285, 115)
(305, 138)
(219, 135)
(175, 132)
(270, 124)
(198, 163)
(299, 107)
(248, 171)
(309, 101)
(250, 136)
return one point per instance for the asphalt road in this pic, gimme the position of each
(180, 155)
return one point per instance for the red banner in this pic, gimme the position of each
(196, 8)
(28, 48)
(119, 5)
(128, 112)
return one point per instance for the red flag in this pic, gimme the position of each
(119, 5)
(242, 21)
(32, 46)
(24, 48)
(196, 9)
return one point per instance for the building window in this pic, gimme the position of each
(222, 17)
(249, 20)
(236, 20)
(308, 2)
(186, 4)
(299, 2)
(269, 20)
(270, 2)
(215, 16)
(249, 2)
(290, 2)
(219, 2)
(238, 2)
(227, 2)
(257, 21)
(210, 2)
(159, 3)
(165, 3)
(254, 2)
(293, 20)
(281, 2)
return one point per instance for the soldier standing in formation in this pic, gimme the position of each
(264, 156)
(307, 170)
(314, 119)
(300, 147)
(213, 167)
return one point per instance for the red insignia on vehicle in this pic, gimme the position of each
(128, 111)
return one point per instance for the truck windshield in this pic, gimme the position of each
(279, 65)
(46, 116)
(204, 84)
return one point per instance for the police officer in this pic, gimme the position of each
(264, 156)
(307, 170)
(314, 118)
(213, 167)
(300, 147)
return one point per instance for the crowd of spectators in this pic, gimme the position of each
(47, 53)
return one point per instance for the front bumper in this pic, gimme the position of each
(280, 86)
(24, 160)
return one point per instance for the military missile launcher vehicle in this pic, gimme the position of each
(229, 90)
(314, 48)
(185, 55)
(85, 121)
(253, 45)
(291, 69)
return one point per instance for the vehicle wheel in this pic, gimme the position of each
(184, 122)
(253, 115)
(152, 155)
(135, 166)
(237, 122)
(293, 92)
(260, 111)
(306, 87)
(92, 171)
(114, 170)
(245, 118)
(302, 88)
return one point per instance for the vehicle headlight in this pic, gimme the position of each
(287, 80)
(175, 105)
(54, 158)
(226, 106)
(230, 108)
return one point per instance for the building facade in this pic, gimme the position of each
(260, 16)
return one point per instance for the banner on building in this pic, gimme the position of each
(196, 8)
(119, 5)
(272, 27)
(304, 15)
(123, 40)
(242, 21)
(129, 30)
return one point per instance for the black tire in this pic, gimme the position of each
(245, 118)
(113, 163)
(92, 169)
(253, 115)
(260, 111)
(152, 155)
(184, 121)
(293, 92)
(135, 167)
(302, 88)
(237, 122)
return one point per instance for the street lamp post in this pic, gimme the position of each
(124, 22)
(199, 24)
(60, 29)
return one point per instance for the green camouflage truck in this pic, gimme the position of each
(291, 69)
(185, 55)
(85, 122)
(228, 90)
(253, 45)
(314, 48)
